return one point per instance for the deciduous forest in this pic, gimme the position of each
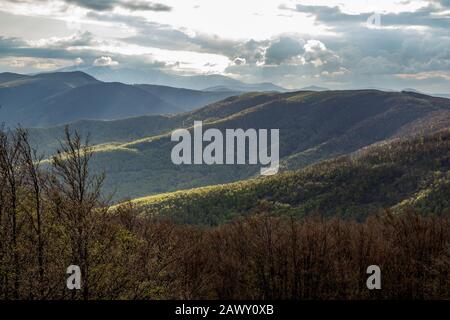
(53, 214)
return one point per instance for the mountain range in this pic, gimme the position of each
(314, 126)
(208, 82)
(55, 98)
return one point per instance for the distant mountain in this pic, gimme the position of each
(376, 88)
(314, 88)
(135, 153)
(186, 99)
(98, 101)
(196, 82)
(19, 92)
(9, 77)
(243, 87)
(396, 175)
(55, 98)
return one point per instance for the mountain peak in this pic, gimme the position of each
(314, 88)
(10, 76)
(66, 75)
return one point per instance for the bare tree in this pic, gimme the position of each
(9, 166)
(80, 194)
(35, 180)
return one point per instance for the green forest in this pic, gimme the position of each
(403, 174)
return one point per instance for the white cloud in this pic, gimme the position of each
(32, 64)
(425, 75)
(105, 61)
(314, 46)
(17, 63)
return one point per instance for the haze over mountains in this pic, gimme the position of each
(63, 97)
(209, 82)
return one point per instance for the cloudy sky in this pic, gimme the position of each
(337, 44)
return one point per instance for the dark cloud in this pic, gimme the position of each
(102, 5)
(445, 3)
(108, 5)
(328, 14)
(334, 17)
(145, 6)
(252, 51)
(282, 50)
(15, 47)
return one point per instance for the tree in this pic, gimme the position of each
(35, 182)
(78, 198)
(12, 180)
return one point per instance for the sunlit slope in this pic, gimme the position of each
(393, 175)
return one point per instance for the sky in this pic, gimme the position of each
(344, 44)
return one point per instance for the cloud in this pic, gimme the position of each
(444, 3)
(426, 75)
(407, 43)
(428, 16)
(239, 61)
(108, 5)
(313, 46)
(282, 50)
(78, 39)
(145, 6)
(40, 64)
(105, 61)
(55, 53)
(102, 5)
(52, 48)
(318, 55)
(411, 46)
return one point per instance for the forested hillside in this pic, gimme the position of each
(313, 126)
(396, 175)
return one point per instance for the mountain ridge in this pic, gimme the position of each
(397, 175)
(314, 126)
(50, 99)
(159, 77)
